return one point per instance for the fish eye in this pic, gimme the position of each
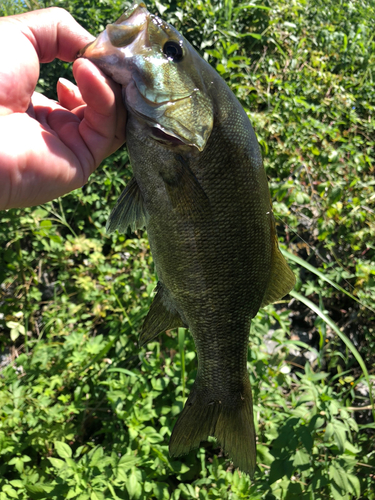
(173, 50)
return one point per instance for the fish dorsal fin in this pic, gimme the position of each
(162, 316)
(184, 191)
(129, 210)
(282, 278)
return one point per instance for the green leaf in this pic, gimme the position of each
(306, 438)
(264, 456)
(354, 485)
(351, 449)
(63, 449)
(17, 483)
(316, 422)
(57, 463)
(72, 493)
(97, 495)
(128, 461)
(159, 384)
(161, 491)
(329, 431)
(188, 490)
(133, 486)
(280, 468)
(34, 488)
(255, 35)
(301, 458)
(96, 456)
(10, 491)
(300, 198)
(319, 480)
(161, 8)
(337, 493)
(340, 438)
(339, 475)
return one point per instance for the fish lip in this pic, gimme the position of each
(159, 103)
(126, 29)
(131, 11)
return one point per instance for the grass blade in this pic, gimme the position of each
(349, 344)
(321, 275)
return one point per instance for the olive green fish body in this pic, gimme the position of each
(200, 188)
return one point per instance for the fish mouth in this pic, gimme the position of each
(114, 51)
(126, 29)
(156, 87)
(159, 135)
(157, 131)
(122, 34)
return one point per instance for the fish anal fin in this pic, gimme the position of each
(129, 210)
(162, 316)
(184, 190)
(231, 424)
(282, 278)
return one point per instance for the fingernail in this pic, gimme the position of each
(67, 84)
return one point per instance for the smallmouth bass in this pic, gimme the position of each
(200, 189)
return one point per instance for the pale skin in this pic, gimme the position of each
(50, 148)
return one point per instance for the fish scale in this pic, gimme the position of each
(200, 189)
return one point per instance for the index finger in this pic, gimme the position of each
(53, 33)
(32, 38)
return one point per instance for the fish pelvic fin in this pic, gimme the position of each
(129, 210)
(231, 424)
(162, 316)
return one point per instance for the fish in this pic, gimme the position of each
(200, 189)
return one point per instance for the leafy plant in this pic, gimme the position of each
(85, 413)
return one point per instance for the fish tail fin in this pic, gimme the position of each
(232, 424)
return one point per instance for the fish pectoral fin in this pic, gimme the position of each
(129, 210)
(184, 191)
(282, 278)
(162, 316)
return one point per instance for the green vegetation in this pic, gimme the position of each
(84, 413)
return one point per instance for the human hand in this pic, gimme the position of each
(49, 148)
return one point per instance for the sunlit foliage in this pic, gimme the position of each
(86, 414)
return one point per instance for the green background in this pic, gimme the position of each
(86, 414)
